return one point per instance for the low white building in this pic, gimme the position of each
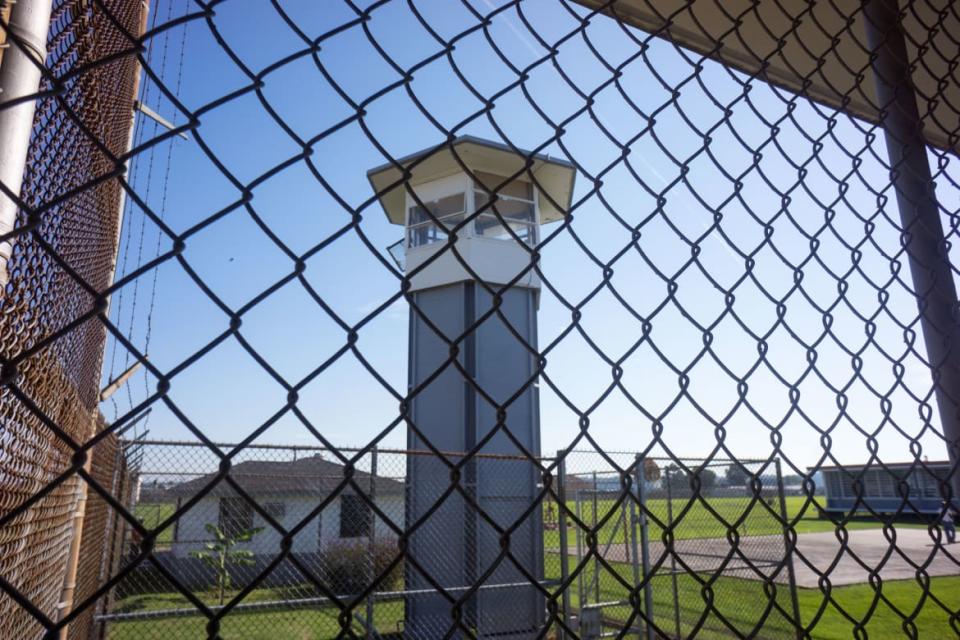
(289, 491)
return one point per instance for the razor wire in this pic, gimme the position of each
(54, 311)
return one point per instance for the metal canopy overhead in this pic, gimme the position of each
(816, 49)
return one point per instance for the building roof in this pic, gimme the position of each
(312, 477)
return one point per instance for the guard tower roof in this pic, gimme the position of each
(554, 177)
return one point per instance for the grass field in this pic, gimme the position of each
(699, 522)
(696, 522)
(152, 514)
(741, 603)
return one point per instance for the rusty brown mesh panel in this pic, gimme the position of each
(78, 134)
(107, 468)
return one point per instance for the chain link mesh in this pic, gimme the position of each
(65, 247)
(761, 228)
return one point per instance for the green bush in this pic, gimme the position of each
(349, 567)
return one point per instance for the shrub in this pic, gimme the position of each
(349, 567)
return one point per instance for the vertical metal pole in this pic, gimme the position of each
(471, 533)
(20, 76)
(118, 535)
(924, 241)
(788, 550)
(69, 588)
(372, 552)
(673, 559)
(596, 537)
(642, 522)
(108, 541)
(564, 551)
(580, 590)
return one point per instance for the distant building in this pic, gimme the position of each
(880, 487)
(288, 491)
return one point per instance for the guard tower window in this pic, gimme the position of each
(448, 210)
(514, 203)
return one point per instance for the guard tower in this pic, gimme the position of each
(510, 195)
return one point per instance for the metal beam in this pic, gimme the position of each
(922, 230)
(119, 381)
(20, 74)
(156, 117)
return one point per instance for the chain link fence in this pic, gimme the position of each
(64, 249)
(719, 235)
(342, 535)
(673, 540)
(348, 538)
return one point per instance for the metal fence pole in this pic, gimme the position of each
(788, 550)
(642, 521)
(580, 590)
(923, 237)
(372, 543)
(109, 542)
(20, 76)
(673, 558)
(596, 538)
(562, 523)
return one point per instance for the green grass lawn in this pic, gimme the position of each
(740, 603)
(751, 519)
(313, 623)
(695, 522)
(152, 514)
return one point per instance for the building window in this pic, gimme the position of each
(834, 485)
(514, 209)
(356, 517)
(421, 228)
(276, 510)
(236, 516)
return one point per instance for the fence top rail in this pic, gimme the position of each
(684, 459)
(306, 447)
(425, 452)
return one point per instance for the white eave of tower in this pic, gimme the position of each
(494, 254)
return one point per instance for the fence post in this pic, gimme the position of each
(645, 546)
(372, 543)
(673, 556)
(73, 555)
(107, 552)
(117, 534)
(562, 524)
(788, 548)
(596, 539)
(922, 236)
(20, 75)
(581, 595)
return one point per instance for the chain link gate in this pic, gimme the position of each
(629, 547)
(749, 275)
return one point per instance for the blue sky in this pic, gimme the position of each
(228, 394)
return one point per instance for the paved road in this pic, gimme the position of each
(816, 552)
